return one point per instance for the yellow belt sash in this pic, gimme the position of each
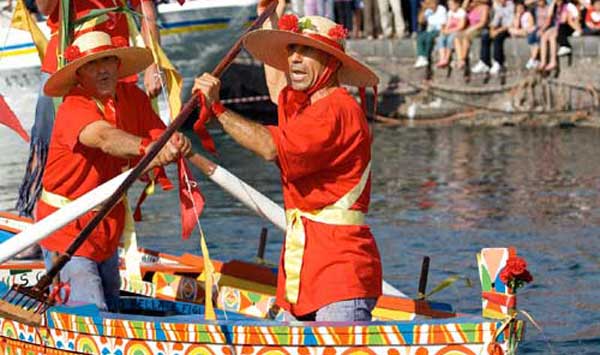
(295, 237)
(132, 256)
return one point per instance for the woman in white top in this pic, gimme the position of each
(434, 16)
(524, 26)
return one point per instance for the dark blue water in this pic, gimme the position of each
(446, 193)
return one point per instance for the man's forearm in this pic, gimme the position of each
(249, 134)
(46, 6)
(149, 27)
(119, 143)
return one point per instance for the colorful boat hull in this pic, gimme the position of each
(162, 323)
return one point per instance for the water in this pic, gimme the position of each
(446, 193)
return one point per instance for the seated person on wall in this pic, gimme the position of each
(495, 35)
(523, 25)
(433, 16)
(592, 19)
(478, 12)
(102, 128)
(455, 22)
(562, 20)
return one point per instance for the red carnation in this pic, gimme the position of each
(289, 22)
(515, 273)
(72, 53)
(517, 265)
(120, 41)
(338, 32)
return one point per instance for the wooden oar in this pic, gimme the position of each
(27, 304)
(255, 200)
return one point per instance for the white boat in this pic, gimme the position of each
(194, 35)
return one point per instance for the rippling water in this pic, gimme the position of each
(446, 193)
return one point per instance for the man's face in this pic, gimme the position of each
(99, 77)
(305, 65)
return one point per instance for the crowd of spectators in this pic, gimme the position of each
(449, 27)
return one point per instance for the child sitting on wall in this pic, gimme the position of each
(456, 21)
(524, 26)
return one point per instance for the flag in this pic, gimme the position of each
(191, 201)
(9, 119)
(23, 20)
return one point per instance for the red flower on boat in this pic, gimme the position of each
(338, 32)
(72, 53)
(515, 273)
(289, 22)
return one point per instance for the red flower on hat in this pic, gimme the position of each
(289, 23)
(119, 41)
(71, 53)
(338, 32)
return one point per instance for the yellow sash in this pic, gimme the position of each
(295, 237)
(132, 256)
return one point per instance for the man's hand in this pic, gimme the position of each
(263, 4)
(152, 80)
(209, 86)
(178, 145)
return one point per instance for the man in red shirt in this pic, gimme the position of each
(113, 23)
(102, 128)
(330, 269)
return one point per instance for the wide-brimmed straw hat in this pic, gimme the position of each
(91, 46)
(271, 46)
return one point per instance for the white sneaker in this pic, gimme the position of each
(576, 34)
(480, 67)
(421, 62)
(495, 68)
(531, 64)
(563, 51)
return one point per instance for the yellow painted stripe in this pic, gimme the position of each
(388, 314)
(194, 28)
(18, 52)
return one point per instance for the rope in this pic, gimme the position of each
(428, 88)
(248, 99)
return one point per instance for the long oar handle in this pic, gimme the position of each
(256, 201)
(253, 199)
(46, 280)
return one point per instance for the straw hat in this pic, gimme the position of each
(270, 46)
(91, 46)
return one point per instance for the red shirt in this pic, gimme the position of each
(322, 154)
(73, 169)
(592, 16)
(116, 25)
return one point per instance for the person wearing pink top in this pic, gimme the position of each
(477, 18)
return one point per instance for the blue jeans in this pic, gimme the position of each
(354, 310)
(91, 282)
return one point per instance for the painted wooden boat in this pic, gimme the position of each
(166, 317)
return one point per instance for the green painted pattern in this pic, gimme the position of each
(374, 336)
(469, 330)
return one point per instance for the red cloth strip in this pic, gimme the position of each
(200, 126)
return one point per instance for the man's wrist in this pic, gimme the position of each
(143, 148)
(217, 108)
